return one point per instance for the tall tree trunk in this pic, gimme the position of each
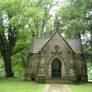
(8, 67)
(6, 51)
(42, 27)
(84, 76)
(91, 38)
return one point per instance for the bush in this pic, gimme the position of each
(40, 78)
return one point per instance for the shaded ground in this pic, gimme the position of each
(57, 88)
(81, 87)
(15, 85)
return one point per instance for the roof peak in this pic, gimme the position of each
(38, 44)
(56, 24)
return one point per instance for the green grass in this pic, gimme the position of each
(13, 85)
(87, 87)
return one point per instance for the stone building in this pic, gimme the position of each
(56, 58)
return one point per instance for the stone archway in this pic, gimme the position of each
(56, 69)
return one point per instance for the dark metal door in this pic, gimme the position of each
(56, 69)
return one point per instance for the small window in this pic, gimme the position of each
(56, 47)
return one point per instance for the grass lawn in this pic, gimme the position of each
(87, 87)
(14, 85)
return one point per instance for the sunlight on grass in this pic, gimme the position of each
(87, 87)
(11, 85)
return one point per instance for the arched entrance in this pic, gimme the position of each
(56, 69)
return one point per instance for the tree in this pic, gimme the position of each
(73, 20)
(11, 13)
(41, 15)
(72, 16)
(21, 52)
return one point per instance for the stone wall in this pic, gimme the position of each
(63, 52)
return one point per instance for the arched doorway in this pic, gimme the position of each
(56, 69)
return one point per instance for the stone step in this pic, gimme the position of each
(57, 81)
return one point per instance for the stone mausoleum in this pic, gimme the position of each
(56, 58)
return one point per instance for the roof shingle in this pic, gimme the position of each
(40, 42)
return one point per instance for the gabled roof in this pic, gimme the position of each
(39, 43)
(75, 45)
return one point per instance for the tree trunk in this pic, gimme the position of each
(84, 76)
(43, 25)
(8, 67)
(91, 38)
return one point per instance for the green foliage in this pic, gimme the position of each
(89, 70)
(2, 71)
(12, 15)
(76, 18)
(72, 16)
(40, 78)
(21, 53)
(18, 20)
